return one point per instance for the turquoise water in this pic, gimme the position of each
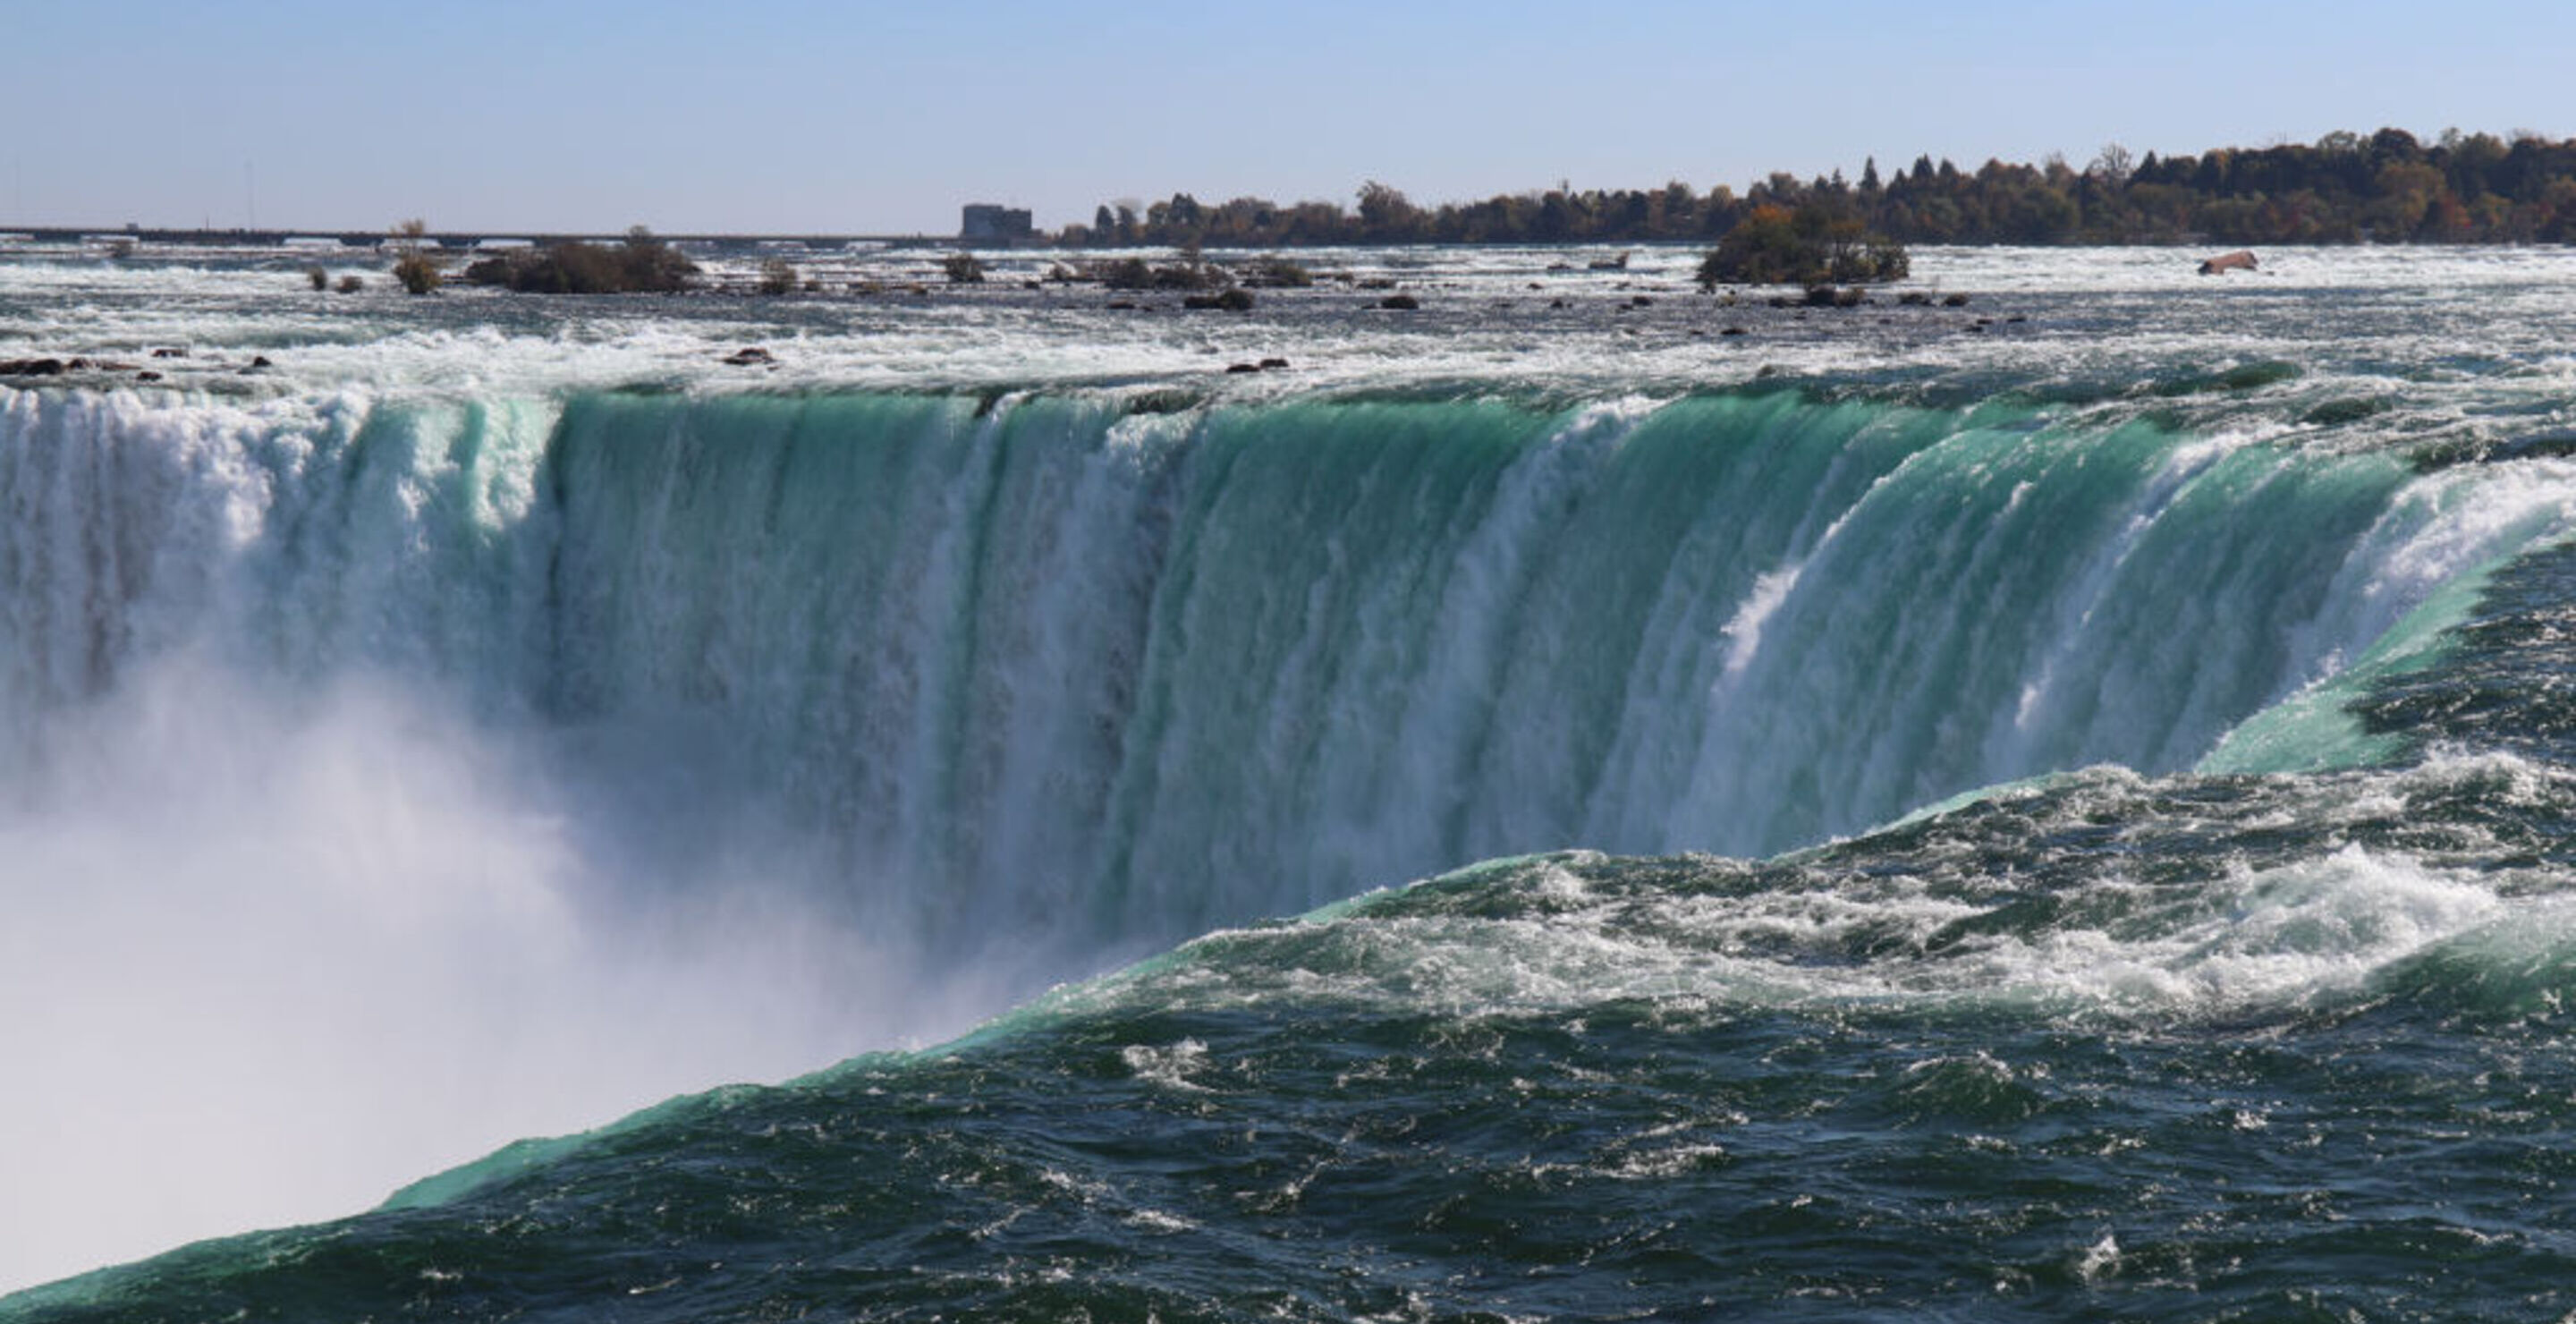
(2016, 845)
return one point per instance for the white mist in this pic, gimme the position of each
(269, 957)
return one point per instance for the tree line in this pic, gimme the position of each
(2388, 187)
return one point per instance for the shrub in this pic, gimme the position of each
(352, 284)
(1276, 272)
(649, 265)
(321, 279)
(415, 268)
(962, 269)
(1189, 273)
(777, 276)
(418, 272)
(1127, 274)
(1880, 259)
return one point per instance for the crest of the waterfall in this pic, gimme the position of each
(1039, 671)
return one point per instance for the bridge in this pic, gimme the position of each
(449, 239)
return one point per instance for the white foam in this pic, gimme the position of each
(1168, 1067)
(2397, 305)
(2308, 934)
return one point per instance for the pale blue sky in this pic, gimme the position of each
(799, 115)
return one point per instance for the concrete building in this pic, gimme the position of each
(986, 223)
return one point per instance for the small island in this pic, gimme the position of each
(642, 264)
(1817, 244)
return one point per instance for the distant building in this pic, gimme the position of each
(986, 223)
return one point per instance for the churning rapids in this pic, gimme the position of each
(2053, 808)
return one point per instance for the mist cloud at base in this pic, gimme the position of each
(270, 955)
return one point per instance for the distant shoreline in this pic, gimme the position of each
(753, 245)
(2344, 189)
